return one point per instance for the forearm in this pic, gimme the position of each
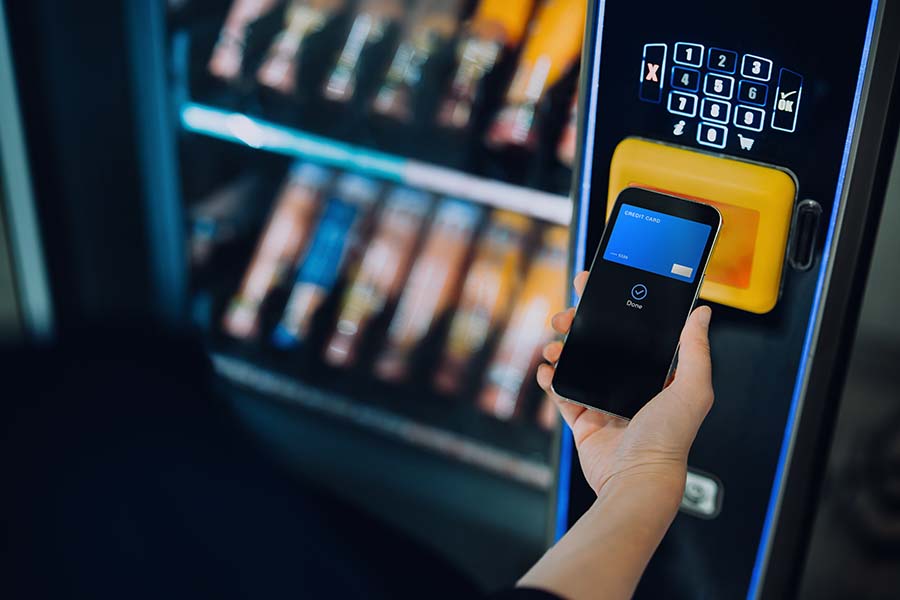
(607, 550)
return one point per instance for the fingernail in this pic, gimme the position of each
(704, 314)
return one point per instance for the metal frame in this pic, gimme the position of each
(26, 248)
(156, 125)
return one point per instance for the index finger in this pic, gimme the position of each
(580, 282)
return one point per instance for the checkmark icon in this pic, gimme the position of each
(639, 292)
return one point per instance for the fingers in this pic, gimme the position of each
(570, 412)
(693, 378)
(552, 351)
(562, 321)
(580, 282)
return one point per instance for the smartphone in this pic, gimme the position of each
(642, 287)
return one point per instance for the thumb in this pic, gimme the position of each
(693, 376)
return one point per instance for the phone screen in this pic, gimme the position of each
(642, 286)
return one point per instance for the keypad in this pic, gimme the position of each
(721, 88)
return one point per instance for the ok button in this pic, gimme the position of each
(639, 292)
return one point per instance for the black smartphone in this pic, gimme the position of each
(642, 287)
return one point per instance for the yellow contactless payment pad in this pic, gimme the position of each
(756, 203)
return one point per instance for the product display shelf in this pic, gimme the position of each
(253, 132)
(530, 472)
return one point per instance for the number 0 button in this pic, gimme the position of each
(712, 135)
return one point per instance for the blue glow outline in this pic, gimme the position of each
(756, 109)
(748, 81)
(683, 114)
(675, 60)
(584, 193)
(718, 69)
(683, 89)
(713, 94)
(765, 536)
(716, 101)
(744, 63)
(662, 67)
(707, 143)
(775, 105)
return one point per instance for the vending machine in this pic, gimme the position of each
(781, 115)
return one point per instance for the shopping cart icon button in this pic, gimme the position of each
(746, 143)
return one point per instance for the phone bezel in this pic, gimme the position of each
(675, 206)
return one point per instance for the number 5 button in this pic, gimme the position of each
(712, 135)
(756, 67)
(747, 117)
(720, 86)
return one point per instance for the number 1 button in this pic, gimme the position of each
(689, 54)
(712, 135)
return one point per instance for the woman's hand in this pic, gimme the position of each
(651, 450)
(637, 468)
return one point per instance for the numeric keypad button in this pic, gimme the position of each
(712, 135)
(723, 61)
(685, 79)
(689, 54)
(749, 117)
(717, 111)
(756, 67)
(682, 104)
(751, 92)
(718, 86)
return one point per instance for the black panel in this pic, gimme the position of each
(756, 358)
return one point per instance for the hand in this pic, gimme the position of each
(648, 455)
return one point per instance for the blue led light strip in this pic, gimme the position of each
(762, 551)
(583, 198)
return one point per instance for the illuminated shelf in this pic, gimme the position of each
(257, 133)
(532, 473)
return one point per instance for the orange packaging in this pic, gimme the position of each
(284, 238)
(487, 293)
(511, 370)
(372, 21)
(432, 287)
(228, 54)
(496, 27)
(565, 151)
(302, 19)
(431, 24)
(381, 274)
(553, 46)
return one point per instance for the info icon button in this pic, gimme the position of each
(639, 292)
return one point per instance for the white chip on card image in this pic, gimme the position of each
(682, 270)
